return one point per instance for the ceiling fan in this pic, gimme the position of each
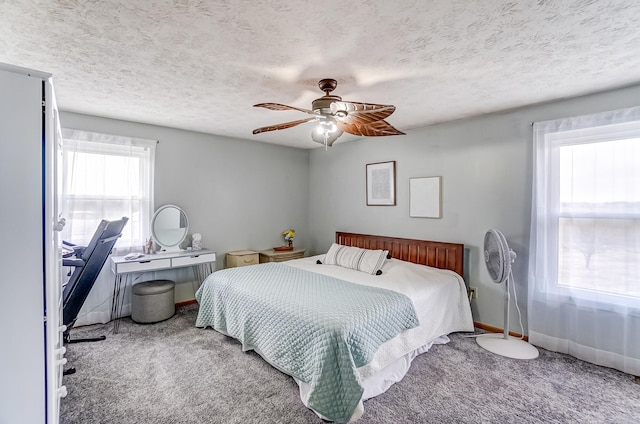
(335, 116)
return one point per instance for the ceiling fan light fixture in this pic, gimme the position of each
(335, 116)
(326, 127)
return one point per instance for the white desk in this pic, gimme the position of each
(200, 260)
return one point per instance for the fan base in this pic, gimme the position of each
(510, 347)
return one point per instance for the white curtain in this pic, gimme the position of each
(584, 261)
(106, 177)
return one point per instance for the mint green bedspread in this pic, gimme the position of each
(316, 328)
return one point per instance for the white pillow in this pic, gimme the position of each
(365, 260)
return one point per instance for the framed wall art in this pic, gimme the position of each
(381, 184)
(425, 197)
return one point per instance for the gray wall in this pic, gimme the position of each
(242, 194)
(239, 194)
(486, 167)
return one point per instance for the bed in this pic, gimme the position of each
(346, 324)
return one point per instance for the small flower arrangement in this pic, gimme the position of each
(288, 236)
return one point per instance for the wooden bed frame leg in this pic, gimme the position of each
(637, 379)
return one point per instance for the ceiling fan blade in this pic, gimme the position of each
(319, 138)
(361, 113)
(278, 106)
(282, 126)
(374, 129)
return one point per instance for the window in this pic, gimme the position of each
(590, 210)
(598, 230)
(106, 177)
(584, 249)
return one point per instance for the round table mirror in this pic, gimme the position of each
(169, 227)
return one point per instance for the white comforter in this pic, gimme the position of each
(439, 298)
(441, 304)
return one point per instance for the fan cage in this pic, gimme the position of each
(497, 256)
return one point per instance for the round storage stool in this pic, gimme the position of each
(152, 301)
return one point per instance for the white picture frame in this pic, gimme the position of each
(425, 197)
(381, 184)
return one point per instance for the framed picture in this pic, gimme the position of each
(425, 197)
(381, 184)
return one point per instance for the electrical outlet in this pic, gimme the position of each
(473, 292)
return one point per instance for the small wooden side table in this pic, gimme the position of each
(273, 256)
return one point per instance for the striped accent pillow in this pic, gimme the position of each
(365, 260)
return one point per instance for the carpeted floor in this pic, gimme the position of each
(172, 372)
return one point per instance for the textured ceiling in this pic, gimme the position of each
(201, 65)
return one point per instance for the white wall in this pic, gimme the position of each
(239, 194)
(486, 167)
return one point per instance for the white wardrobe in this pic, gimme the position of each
(31, 350)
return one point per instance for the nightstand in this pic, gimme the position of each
(242, 258)
(273, 256)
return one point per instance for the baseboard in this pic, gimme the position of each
(186, 303)
(492, 329)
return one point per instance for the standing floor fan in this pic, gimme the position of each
(498, 259)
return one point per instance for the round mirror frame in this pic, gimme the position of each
(162, 241)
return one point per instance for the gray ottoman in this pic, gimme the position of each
(152, 301)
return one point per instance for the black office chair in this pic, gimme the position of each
(87, 266)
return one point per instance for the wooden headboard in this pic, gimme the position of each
(432, 253)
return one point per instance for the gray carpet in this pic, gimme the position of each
(172, 372)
